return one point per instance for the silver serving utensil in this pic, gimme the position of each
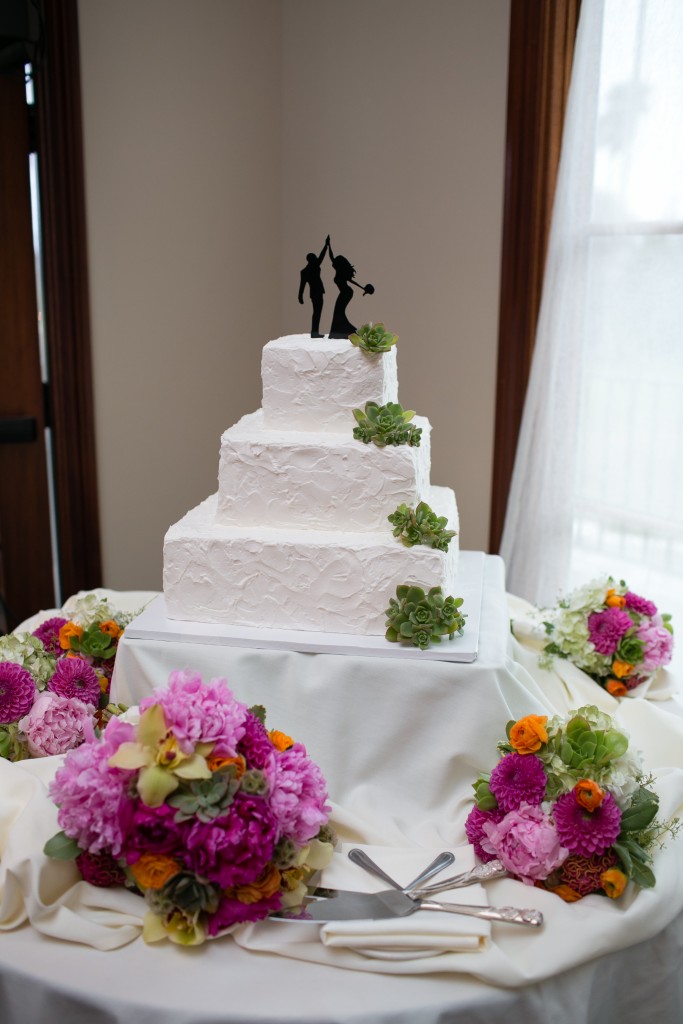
(363, 906)
(361, 858)
(480, 873)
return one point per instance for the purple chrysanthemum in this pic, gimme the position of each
(607, 628)
(73, 677)
(299, 794)
(93, 801)
(641, 605)
(48, 634)
(474, 829)
(587, 832)
(518, 779)
(199, 712)
(234, 849)
(17, 691)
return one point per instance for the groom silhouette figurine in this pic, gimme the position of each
(310, 275)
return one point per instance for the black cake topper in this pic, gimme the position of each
(344, 272)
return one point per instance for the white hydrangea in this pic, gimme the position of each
(26, 650)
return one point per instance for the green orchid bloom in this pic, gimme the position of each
(161, 762)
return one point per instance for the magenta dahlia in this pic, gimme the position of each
(518, 779)
(607, 628)
(474, 829)
(641, 605)
(587, 832)
(73, 677)
(17, 691)
(48, 634)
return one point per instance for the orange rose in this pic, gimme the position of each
(528, 734)
(588, 794)
(566, 892)
(265, 886)
(616, 688)
(68, 630)
(621, 669)
(111, 628)
(614, 600)
(154, 870)
(280, 740)
(613, 882)
(216, 761)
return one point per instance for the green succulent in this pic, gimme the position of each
(254, 781)
(484, 798)
(94, 642)
(373, 338)
(186, 891)
(421, 525)
(205, 798)
(419, 620)
(386, 425)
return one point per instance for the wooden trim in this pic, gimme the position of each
(67, 311)
(542, 37)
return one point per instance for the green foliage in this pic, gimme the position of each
(259, 712)
(421, 526)
(386, 425)
(419, 620)
(62, 847)
(373, 338)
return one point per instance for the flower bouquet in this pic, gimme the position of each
(199, 808)
(54, 682)
(568, 808)
(615, 636)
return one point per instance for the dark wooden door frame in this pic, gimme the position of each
(541, 51)
(67, 310)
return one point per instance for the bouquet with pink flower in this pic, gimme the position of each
(567, 807)
(614, 635)
(199, 808)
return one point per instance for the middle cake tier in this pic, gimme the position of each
(327, 481)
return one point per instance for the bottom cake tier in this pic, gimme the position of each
(297, 579)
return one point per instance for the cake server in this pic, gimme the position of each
(363, 906)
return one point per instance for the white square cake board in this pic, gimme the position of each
(154, 624)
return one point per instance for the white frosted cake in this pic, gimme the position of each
(297, 535)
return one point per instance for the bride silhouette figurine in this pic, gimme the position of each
(344, 273)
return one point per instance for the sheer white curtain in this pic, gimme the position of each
(598, 478)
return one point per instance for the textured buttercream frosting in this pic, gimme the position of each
(334, 581)
(288, 478)
(315, 383)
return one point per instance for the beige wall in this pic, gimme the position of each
(223, 140)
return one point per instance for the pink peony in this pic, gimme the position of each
(48, 634)
(658, 647)
(526, 843)
(640, 604)
(607, 628)
(299, 794)
(200, 712)
(73, 677)
(56, 724)
(94, 805)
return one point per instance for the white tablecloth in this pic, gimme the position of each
(400, 744)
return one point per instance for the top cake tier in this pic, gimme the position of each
(314, 384)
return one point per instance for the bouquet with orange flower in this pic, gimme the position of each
(199, 808)
(568, 807)
(614, 635)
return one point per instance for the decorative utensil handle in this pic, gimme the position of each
(482, 873)
(361, 858)
(509, 915)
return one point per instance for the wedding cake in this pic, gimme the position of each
(297, 535)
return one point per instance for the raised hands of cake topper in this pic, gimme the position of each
(310, 275)
(344, 274)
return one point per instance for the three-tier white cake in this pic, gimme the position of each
(297, 535)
